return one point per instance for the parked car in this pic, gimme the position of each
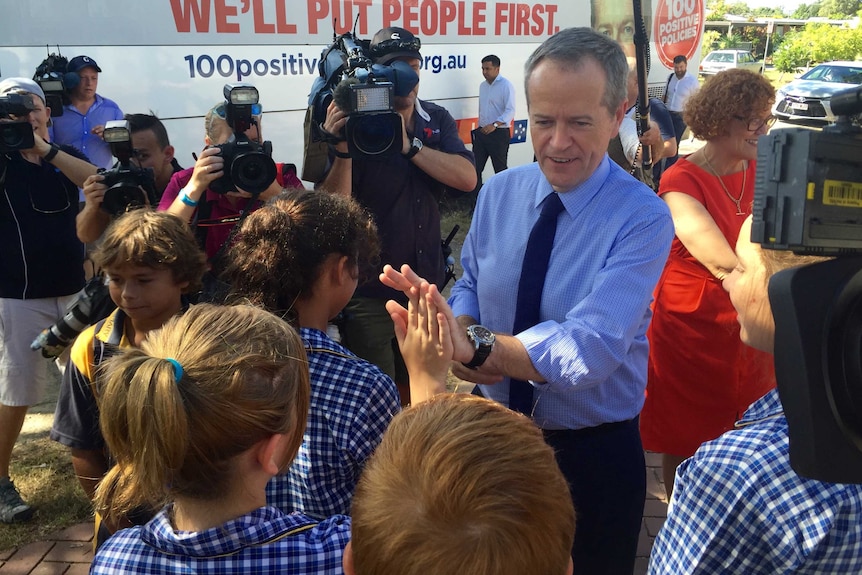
(720, 60)
(807, 97)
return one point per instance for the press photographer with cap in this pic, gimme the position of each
(86, 114)
(40, 268)
(402, 192)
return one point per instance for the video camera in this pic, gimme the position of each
(17, 133)
(129, 186)
(808, 195)
(365, 92)
(248, 165)
(56, 82)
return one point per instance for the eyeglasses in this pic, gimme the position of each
(219, 110)
(754, 124)
(395, 45)
(42, 210)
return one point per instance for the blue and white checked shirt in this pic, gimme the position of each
(266, 541)
(738, 507)
(352, 402)
(609, 251)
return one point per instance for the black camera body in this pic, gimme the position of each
(16, 134)
(808, 195)
(248, 165)
(365, 92)
(55, 82)
(129, 186)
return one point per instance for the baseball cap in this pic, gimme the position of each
(79, 62)
(15, 85)
(392, 43)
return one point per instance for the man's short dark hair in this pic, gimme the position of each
(140, 122)
(680, 59)
(494, 60)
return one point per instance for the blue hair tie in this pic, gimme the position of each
(178, 369)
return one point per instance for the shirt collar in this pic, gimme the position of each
(576, 198)
(421, 111)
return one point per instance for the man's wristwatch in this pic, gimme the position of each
(483, 340)
(415, 148)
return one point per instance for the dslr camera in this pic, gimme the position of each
(92, 303)
(365, 92)
(808, 199)
(248, 165)
(129, 186)
(17, 133)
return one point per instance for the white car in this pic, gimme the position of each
(720, 60)
(807, 97)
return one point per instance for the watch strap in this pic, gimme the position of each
(51, 153)
(414, 149)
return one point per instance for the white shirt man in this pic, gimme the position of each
(680, 87)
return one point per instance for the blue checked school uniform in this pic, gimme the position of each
(261, 542)
(352, 402)
(738, 507)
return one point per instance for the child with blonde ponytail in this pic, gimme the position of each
(200, 418)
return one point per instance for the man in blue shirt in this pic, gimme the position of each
(84, 118)
(496, 112)
(586, 358)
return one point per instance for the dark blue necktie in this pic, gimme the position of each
(530, 287)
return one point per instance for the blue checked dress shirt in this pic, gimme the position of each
(75, 129)
(609, 251)
(738, 507)
(265, 541)
(352, 402)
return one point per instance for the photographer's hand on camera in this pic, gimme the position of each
(339, 180)
(92, 220)
(208, 168)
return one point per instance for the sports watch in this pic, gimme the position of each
(483, 340)
(415, 148)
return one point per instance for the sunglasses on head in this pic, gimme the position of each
(395, 45)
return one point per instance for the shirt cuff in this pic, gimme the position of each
(539, 341)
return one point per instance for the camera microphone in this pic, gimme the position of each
(341, 93)
(846, 102)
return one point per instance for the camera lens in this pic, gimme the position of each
(122, 197)
(253, 172)
(16, 136)
(375, 134)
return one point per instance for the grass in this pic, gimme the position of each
(42, 471)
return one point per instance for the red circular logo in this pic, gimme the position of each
(678, 29)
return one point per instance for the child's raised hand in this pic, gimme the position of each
(424, 337)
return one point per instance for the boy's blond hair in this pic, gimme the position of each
(159, 240)
(461, 484)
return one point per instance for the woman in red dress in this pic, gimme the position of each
(700, 373)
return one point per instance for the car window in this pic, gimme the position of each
(848, 75)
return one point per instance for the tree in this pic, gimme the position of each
(806, 11)
(838, 9)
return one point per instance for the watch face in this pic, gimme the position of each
(482, 334)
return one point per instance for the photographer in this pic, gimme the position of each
(214, 215)
(152, 149)
(40, 267)
(402, 192)
(737, 505)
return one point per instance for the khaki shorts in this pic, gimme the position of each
(24, 372)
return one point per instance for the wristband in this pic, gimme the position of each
(184, 198)
(338, 153)
(51, 153)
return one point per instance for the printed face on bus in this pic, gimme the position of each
(569, 124)
(615, 18)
